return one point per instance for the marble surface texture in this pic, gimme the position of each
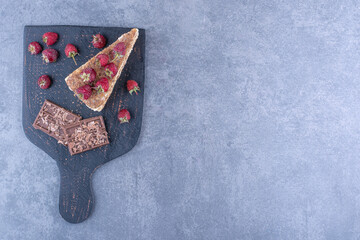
(251, 125)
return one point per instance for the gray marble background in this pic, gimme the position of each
(251, 124)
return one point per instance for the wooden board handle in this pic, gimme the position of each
(76, 197)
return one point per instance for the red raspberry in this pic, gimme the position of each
(111, 70)
(102, 59)
(50, 38)
(84, 92)
(44, 81)
(124, 116)
(88, 75)
(102, 85)
(34, 48)
(50, 55)
(99, 41)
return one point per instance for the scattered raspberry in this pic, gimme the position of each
(132, 86)
(44, 81)
(50, 38)
(50, 55)
(124, 116)
(99, 41)
(34, 48)
(71, 52)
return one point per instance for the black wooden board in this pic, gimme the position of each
(76, 198)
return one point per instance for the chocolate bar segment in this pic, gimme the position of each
(86, 135)
(52, 117)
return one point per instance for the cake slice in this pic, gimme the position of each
(98, 99)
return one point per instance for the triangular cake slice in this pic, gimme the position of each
(98, 99)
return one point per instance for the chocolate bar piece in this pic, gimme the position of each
(86, 135)
(51, 118)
